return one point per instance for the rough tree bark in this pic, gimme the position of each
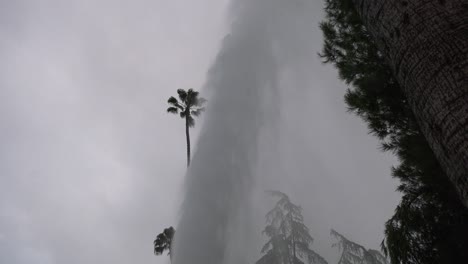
(426, 44)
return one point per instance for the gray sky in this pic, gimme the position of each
(91, 166)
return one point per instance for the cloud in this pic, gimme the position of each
(91, 166)
(90, 162)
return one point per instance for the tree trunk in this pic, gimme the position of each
(426, 44)
(294, 251)
(187, 135)
(292, 238)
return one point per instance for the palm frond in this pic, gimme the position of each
(163, 241)
(173, 101)
(191, 99)
(190, 105)
(182, 95)
(200, 101)
(190, 121)
(161, 244)
(193, 93)
(173, 110)
(197, 111)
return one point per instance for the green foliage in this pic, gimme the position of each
(288, 236)
(353, 253)
(163, 241)
(430, 225)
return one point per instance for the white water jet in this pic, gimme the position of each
(244, 82)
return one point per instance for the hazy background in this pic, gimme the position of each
(91, 166)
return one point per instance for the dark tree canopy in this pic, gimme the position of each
(430, 225)
(288, 237)
(188, 106)
(163, 241)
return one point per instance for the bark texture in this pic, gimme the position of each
(187, 135)
(426, 44)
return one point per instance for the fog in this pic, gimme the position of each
(92, 168)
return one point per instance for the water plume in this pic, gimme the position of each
(244, 81)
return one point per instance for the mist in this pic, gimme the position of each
(92, 168)
(249, 142)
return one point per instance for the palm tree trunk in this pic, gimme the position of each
(426, 45)
(187, 135)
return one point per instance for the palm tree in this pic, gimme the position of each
(425, 43)
(189, 106)
(164, 241)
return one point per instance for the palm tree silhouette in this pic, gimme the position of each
(189, 106)
(164, 241)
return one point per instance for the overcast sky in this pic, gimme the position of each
(92, 167)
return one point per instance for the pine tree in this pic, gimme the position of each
(353, 253)
(430, 225)
(288, 237)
